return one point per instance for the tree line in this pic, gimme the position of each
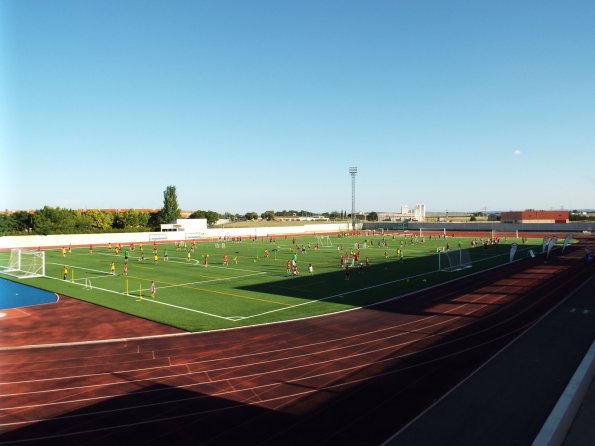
(56, 220)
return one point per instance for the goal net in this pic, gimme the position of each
(454, 260)
(324, 240)
(25, 263)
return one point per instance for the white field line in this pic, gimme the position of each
(184, 262)
(108, 275)
(153, 301)
(309, 302)
(335, 296)
(104, 273)
(212, 280)
(390, 282)
(397, 297)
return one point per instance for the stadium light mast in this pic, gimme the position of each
(353, 173)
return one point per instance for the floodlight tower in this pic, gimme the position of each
(353, 173)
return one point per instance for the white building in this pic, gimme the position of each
(186, 225)
(417, 214)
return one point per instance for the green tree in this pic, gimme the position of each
(251, 216)
(268, 215)
(6, 224)
(23, 221)
(211, 216)
(82, 222)
(15, 223)
(198, 214)
(132, 220)
(155, 221)
(170, 210)
(51, 220)
(229, 216)
(372, 216)
(137, 220)
(100, 220)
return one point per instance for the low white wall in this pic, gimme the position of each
(276, 231)
(47, 241)
(558, 423)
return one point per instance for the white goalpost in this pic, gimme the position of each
(25, 264)
(454, 260)
(324, 240)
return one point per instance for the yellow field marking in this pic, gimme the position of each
(245, 297)
(305, 287)
(224, 293)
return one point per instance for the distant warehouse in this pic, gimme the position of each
(534, 217)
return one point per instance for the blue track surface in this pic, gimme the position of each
(15, 295)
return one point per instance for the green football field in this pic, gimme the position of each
(255, 287)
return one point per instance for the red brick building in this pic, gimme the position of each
(534, 217)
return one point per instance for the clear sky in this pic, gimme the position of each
(250, 105)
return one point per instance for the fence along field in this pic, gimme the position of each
(195, 290)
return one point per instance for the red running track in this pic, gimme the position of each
(352, 378)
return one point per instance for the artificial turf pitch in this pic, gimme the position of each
(257, 289)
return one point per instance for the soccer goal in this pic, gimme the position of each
(25, 264)
(454, 260)
(324, 240)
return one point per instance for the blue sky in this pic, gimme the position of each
(255, 105)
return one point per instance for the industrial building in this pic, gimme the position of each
(531, 216)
